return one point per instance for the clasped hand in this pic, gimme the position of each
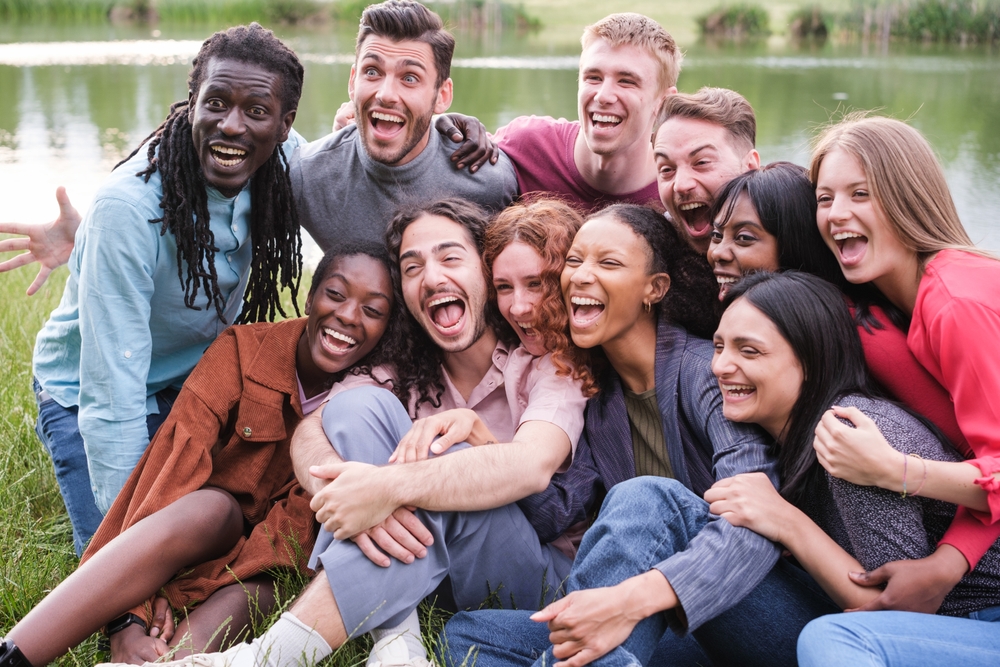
(749, 501)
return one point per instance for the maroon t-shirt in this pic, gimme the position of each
(541, 149)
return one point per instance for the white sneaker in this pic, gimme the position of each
(241, 655)
(393, 651)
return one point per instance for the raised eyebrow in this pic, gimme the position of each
(414, 63)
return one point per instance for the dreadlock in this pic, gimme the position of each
(274, 223)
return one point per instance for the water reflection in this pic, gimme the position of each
(70, 110)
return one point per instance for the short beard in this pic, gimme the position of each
(419, 127)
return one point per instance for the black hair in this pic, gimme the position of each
(424, 370)
(400, 20)
(785, 201)
(812, 316)
(274, 223)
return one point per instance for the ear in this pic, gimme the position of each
(286, 126)
(657, 287)
(350, 82)
(309, 303)
(444, 97)
(752, 160)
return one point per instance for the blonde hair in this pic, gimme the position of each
(719, 106)
(905, 179)
(643, 32)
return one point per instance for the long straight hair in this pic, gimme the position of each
(813, 318)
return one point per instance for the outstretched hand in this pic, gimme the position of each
(860, 455)
(914, 585)
(48, 244)
(477, 147)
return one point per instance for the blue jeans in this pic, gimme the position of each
(57, 429)
(490, 552)
(902, 639)
(643, 522)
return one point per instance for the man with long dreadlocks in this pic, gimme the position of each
(192, 232)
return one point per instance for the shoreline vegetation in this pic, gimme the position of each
(951, 21)
(463, 14)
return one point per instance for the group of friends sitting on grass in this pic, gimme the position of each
(691, 437)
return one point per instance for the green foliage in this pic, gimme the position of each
(810, 21)
(926, 20)
(462, 14)
(735, 22)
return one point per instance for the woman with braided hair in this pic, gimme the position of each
(185, 238)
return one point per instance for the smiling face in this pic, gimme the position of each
(236, 121)
(759, 375)
(443, 283)
(618, 96)
(348, 313)
(605, 282)
(694, 159)
(855, 228)
(395, 93)
(740, 245)
(517, 278)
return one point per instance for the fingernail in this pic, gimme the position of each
(461, 165)
(475, 168)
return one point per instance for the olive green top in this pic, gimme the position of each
(648, 446)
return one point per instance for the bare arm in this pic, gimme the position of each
(310, 447)
(862, 456)
(751, 501)
(360, 496)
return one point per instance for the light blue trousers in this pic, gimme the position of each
(491, 553)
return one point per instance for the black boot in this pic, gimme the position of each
(11, 656)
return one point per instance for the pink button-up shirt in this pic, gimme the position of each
(518, 388)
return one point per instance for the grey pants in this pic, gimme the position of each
(492, 556)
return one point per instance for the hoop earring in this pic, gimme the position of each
(646, 306)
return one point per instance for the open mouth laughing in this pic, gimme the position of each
(736, 391)
(446, 313)
(585, 310)
(603, 120)
(694, 215)
(337, 343)
(386, 124)
(725, 281)
(851, 247)
(228, 156)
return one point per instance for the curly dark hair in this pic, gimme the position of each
(547, 225)
(423, 370)
(274, 223)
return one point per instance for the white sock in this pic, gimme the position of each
(288, 643)
(399, 644)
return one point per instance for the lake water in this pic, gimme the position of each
(74, 101)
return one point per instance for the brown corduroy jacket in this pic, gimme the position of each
(230, 429)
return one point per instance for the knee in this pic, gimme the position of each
(209, 512)
(357, 420)
(833, 639)
(653, 496)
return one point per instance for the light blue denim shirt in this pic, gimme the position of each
(122, 332)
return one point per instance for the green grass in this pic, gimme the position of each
(35, 534)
